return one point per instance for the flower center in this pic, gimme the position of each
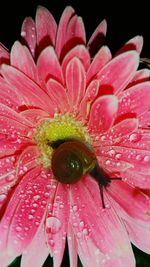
(53, 132)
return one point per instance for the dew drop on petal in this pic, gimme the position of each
(138, 157)
(23, 33)
(146, 158)
(81, 224)
(18, 229)
(2, 197)
(134, 137)
(75, 208)
(79, 234)
(51, 242)
(118, 156)
(30, 216)
(112, 152)
(107, 162)
(10, 177)
(85, 231)
(53, 225)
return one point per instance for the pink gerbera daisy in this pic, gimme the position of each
(75, 146)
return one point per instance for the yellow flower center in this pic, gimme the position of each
(61, 127)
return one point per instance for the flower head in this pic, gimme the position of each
(75, 141)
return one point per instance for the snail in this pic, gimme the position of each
(72, 159)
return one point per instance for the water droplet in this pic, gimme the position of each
(85, 231)
(36, 197)
(138, 157)
(134, 137)
(15, 241)
(10, 177)
(118, 156)
(112, 152)
(23, 33)
(51, 242)
(103, 138)
(146, 158)
(18, 229)
(32, 211)
(2, 197)
(107, 162)
(81, 224)
(53, 225)
(30, 216)
(25, 168)
(75, 208)
(35, 205)
(46, 194)
(79, 234)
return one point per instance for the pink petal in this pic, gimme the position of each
(62, 29)
(76, 30)
(138, 139)
(117, 132)
(81, 53)
(137, 179)
(72, 246)
(75, 82)
(137, 158)
(75, 35)
(13, 123)
(48, 65)
(9, 96)
(102, 114)
(139, 235)
(101, 58)
(58, 96)
(57, 223)
(97, 38)
(7, 172)
(46, 28)
(9, 148)
(89, 96)
(25, 211)
(27, 160)
(21, 59)
(102, 227)
(135, 43)
(89, 254)
(140, 76)
(33, 95)
(135, 100)
(124, 194)
(5, 260)
(35, 115)
(111, 165)
(115, 76)
(144, 119)
(28, 34)
(37, 251)
(4, 55)
(10, 113)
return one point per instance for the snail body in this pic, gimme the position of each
(71, 160)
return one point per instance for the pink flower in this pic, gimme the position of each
(60, 95)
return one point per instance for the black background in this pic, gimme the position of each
(126, 19)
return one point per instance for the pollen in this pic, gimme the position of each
(60, 127)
